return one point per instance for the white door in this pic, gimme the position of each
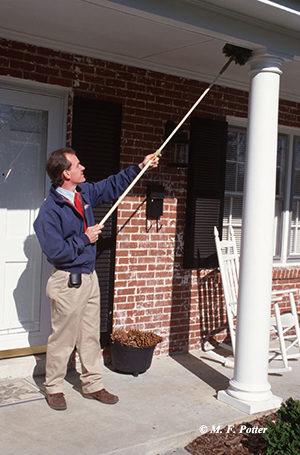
(30, 126)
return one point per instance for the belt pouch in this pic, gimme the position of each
(74, 280)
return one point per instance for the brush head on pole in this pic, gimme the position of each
(240, 55)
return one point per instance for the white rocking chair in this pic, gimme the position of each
(280, 324)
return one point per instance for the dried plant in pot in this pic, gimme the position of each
(132, 351)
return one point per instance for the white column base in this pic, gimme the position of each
(250, 407)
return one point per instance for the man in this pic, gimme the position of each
(68, 234)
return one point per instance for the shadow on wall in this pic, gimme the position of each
(180, 308)
(202, 317)
(212, 312)
(181, 289)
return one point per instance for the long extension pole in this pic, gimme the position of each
(158, 151)
(237, 54)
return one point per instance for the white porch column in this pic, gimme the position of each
(249, 390)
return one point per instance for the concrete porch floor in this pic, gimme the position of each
(159, 412)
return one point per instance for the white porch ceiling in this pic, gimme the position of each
(180, 37)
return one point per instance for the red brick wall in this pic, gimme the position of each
(152, 291)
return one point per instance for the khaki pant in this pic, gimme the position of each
(75, 318)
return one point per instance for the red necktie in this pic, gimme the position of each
(78, 205)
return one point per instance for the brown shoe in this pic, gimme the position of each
(56, 401)
(103, 395)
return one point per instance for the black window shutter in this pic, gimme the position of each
(96, 137)
(205, 193)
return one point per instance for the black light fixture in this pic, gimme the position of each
(178, 147)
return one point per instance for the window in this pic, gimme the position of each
(234, 180)
(287, 205)
(294, 238)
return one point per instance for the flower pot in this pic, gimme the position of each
(131, 359)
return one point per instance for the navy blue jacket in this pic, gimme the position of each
(60, 227)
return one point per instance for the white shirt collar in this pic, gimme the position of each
(70, 195)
